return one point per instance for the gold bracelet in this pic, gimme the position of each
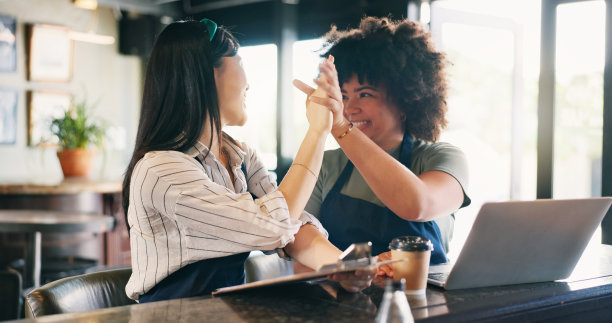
(308, 169)
(347, 131)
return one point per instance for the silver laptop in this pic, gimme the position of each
(523, 242)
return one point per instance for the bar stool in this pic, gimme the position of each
(10, 280)
(34, 222)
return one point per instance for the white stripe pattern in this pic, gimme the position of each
(185, 208)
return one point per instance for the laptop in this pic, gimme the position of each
(520, 242)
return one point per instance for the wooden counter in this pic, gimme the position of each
(67, 186)
(71, 195)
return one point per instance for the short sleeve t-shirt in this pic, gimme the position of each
(426, 156)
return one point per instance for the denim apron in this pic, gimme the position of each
(201, 277)
(349, 220)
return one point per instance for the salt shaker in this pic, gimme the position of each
(394, 306)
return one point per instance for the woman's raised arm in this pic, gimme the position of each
(299, 181)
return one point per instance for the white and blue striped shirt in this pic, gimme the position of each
(182, 211)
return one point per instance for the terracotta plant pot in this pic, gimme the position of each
(76, 162)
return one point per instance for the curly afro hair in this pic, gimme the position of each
(400, 57)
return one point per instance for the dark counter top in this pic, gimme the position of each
(586, 295)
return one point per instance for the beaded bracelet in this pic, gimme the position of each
(347, 131)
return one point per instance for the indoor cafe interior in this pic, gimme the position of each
(528, 103)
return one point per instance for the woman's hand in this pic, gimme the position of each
(319, 116)
(327, 94)
(328, 82)
(384, 270)
(354, 281)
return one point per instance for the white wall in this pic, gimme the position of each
(100, 74)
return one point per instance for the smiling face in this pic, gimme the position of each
(368, 108)
(232, 85)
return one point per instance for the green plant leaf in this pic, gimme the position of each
(76, 129)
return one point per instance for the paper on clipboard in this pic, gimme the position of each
(327, 270)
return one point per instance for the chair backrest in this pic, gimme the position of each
(80, 293)
(10, 280)
(259, 267)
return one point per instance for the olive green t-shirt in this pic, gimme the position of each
(426, 156)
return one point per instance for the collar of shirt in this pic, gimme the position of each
(236, 154)
(217, 173)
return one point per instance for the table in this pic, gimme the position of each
(71, 185)
(585, 296)
(78, 195)
(34, 222)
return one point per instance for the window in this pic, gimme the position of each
(578, 126)
(260, 64)
(493, 47)
(306, 59)
(260, 129)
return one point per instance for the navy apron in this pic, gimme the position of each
(349, 220)
(201, 277)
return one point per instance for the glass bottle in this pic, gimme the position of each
(394, 305)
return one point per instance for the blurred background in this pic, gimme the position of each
(530, 104)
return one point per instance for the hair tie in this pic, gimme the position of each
(211, 27)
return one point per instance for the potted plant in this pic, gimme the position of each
(76, 134)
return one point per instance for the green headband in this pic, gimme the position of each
(211, 26)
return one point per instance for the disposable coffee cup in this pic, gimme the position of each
(415, 252)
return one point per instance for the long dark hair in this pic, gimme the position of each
(179, 91)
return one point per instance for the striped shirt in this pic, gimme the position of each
(184, 208)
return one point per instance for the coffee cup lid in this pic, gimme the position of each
(410, 243)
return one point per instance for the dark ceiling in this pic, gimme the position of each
(259, 22)
(255, 21)
(178, 8)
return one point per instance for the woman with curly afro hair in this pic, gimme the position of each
(390, 176)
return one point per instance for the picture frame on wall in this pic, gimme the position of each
(8, 116)
(8, 44)
(43, 107)
(49, 53)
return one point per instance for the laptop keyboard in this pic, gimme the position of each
(441, 277)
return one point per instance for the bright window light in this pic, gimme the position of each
(306, 59)
(260, 130)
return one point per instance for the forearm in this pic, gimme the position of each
(399, 189)
(301, 178)
(311, 248)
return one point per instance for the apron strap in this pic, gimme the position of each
(405, 159)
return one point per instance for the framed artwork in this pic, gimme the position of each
(43, 107)
(49, 53)
(8, 48)
(8, 116)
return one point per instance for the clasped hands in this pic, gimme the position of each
(326, 97)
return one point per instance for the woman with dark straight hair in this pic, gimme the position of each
(196, 201)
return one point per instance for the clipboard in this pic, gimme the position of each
(356, 257)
